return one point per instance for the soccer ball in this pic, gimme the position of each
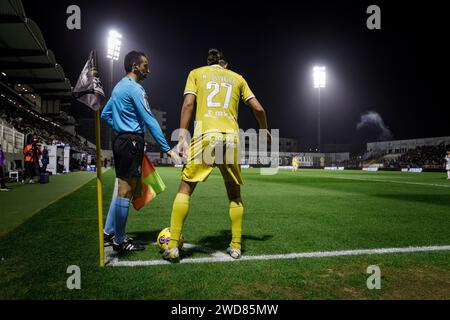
(164, 238)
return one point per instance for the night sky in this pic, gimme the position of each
(396, 71)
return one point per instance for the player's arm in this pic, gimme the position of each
(107, 113)
(149, 119)
(190, 95)
(260, 114)
(258, 111)
(186, 114)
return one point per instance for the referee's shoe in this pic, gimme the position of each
(108, 239)
(128, 245)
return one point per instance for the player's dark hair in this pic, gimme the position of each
(132, 57)
(215, 56)
(224, 63)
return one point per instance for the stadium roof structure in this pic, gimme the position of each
(24, 56)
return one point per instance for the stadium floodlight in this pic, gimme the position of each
(319, 77)
(114, 44)
(113, 52)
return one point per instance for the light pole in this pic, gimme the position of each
(113, 53)
(319, 77)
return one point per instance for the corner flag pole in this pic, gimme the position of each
(98, 168)
(89, 91)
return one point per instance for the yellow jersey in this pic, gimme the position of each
(218, 92)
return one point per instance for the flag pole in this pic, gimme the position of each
(98, 168)
(89, 91)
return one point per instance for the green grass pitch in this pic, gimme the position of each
(306, 211)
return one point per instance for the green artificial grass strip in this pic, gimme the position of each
(24, 200)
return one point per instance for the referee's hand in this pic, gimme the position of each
(174, 156)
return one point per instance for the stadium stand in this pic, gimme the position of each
(28, 122)
(33, 89)
(428, 153)
(431, 157)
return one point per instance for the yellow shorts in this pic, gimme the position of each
(213, 150)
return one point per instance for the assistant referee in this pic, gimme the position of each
(128, 112)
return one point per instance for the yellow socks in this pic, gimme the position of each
(236, 216)
(180, 211)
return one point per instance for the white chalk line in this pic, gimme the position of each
(392, 181)
(114, 261)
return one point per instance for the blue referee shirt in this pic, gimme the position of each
(128, 111)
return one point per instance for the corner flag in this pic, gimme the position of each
(89, 91)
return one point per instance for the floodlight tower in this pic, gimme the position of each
(319, 77)
(112, 54)
(114, 44)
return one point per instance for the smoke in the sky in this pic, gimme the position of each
(372, 119)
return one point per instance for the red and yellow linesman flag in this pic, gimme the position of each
(151, 184)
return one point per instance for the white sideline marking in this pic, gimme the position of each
(393, 181)
(114, 262)
(112, 259)
(212, 252)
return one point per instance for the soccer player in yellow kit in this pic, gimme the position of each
(294, 163)
(217, 92)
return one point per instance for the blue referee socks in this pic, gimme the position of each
(109, 225)
(120, 219)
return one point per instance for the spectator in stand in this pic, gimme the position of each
(424, 156)
(59, 165)
(32, 154)
(45, 159)
(3, 186)
(83, 164)
(28, 123)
